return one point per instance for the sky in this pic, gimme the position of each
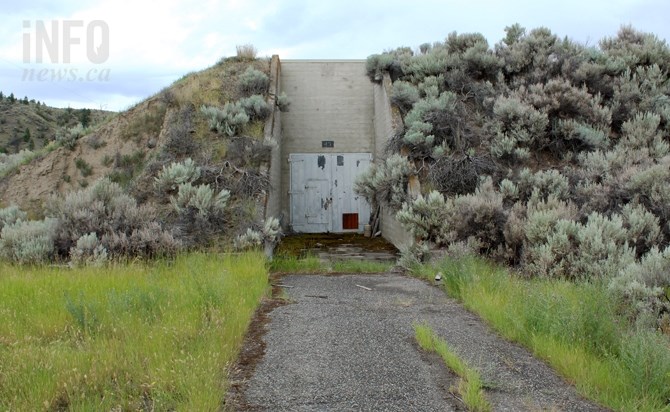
(111, 54)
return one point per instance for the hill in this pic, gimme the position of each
(190, 160)
(27, 124)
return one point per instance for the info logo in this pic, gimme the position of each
(65, 34)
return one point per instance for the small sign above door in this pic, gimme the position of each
(327, 143)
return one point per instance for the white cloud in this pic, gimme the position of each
(153, 42)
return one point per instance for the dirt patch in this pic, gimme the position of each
(253, 350)
(299, 245)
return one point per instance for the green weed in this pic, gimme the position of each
(470, 385)
(574, 326)
(155, 336)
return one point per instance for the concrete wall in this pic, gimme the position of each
(273, 133)
(330, 100)
(386, 121)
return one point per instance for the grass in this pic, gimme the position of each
(470, 384)
(148, 123)
(313, 264)
(156, 336)
(575, 327)
(127, 167)
(84, 168)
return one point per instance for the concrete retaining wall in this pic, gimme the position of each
(386, 122)
(273, 133)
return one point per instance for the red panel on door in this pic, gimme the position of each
(349, 221)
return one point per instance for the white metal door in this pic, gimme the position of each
(322, 197)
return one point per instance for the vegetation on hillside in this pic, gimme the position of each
(540, 152)
(30, 125)
(185, 168)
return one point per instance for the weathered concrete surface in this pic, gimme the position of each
(273, 133)
(340, 347)
(330, 100)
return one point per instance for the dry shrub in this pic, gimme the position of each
(459, 174)
(246, 51)
(179, 140)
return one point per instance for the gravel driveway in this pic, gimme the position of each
(340, 347)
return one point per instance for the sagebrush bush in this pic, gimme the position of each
(644, 228)
(419, 67)
(479, 216)
(404, 94)
(88, 251)
(67, 137)
(201, 199)
(270, 233)
(518, 125)
(560, 100)
(482, 216)
(376, 64)
(253, 81)
(385, 183)
(176, 174)
(29, 242)
(430, 87)
(283, 102)
(572, 250)
(546, 183)
(125, 229)
(429, 218)
(643, 89)
(645, 286)
(229, 119)
(256, 107)
(419, 133)
(10, 162)
(11, 215)
(413, 255)
(650, 188)
(509, 190)
(642, 132)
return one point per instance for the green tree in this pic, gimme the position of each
(12, 99)
(84, 116)
(26, 135)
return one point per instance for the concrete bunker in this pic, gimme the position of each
(337, 125)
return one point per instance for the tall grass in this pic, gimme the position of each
(573, 326)
(470, 383)
(141, 336)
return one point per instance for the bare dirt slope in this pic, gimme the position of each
(338, 346)
(57, 171)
